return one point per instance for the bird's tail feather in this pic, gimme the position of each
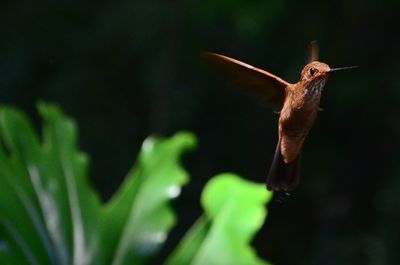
(283, 176)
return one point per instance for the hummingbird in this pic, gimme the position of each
(297, 104)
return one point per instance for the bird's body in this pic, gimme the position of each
(298, 105)
(299, 110)
(296, 118)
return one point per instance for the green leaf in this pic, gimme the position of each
(190, 244)
(50, 215)
(144, 216)
(234, 211)
(57, 206)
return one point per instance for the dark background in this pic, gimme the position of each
(128, 69)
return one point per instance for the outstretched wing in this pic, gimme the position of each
(268, 86)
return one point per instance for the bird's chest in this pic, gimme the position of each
(300, 111)
(312, 94)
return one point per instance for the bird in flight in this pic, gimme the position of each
(297, 105)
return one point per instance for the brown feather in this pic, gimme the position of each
(283, 176)
(312, 52)
(270, 87)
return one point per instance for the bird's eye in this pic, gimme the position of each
(313, 71)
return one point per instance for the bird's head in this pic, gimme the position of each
(317, 72)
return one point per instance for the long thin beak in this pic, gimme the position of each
(342, 68)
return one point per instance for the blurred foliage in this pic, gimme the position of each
(234, 211)
(126, 69)
(50, 215)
